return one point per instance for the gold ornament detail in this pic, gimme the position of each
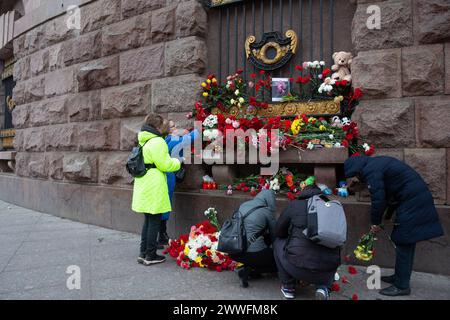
(10, 102)
(289, 109)
(261, 54)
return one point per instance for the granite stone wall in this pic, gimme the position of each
(404, 71)
(82, 94)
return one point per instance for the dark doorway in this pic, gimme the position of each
(8, 84)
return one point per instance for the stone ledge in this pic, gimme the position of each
(110, 207)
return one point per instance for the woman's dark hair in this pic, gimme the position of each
(154, 120)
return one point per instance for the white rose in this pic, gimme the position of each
(232, 101)
(322, 63)
(236, 92)
(241, 100)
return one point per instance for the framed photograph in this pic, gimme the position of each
(281, 87)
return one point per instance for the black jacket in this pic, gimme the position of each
(300, 251)
(392, 181)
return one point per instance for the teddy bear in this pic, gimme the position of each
(341, 67)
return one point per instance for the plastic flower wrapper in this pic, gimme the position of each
(364, 251)
(211, 214)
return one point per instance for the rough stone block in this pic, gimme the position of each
(19, 93)
(21, 116)
(433, 121)
(37, 165)
(136, 66)
(432, 21)
(176, 94)
(447, 68)
(126, 101)
(127, 34)
(431, 164)
(111, 168)
(387, 123)
(99, 14)
(128, 133)
(56, 31)
(85, 106)
(98, 74)
(396, 26)
(80, 167)
(99, 136)
(191, 19)
(61, 138)
(34, 140)
(19, 47)
(184, 56)
(56, 110)
(391, 152)
(35, 89)
(55, 165)
(85, 48)
(378, 73)
(423, 70)
(56, 57)
(39, 62)
(38, 115)
(60, 82)
(34, 39)
(22, 164)
(21, 70)
(135, 7)
(163, 24)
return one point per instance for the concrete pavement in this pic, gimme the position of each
(36, 249)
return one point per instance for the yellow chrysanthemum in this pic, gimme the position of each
(322, 127)
(208, 81)
(296, 126)
(205, 94)
(204, 84)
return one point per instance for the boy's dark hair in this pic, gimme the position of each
(154, 120)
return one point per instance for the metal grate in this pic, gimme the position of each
(313, 21)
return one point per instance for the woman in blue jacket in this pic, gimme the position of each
(175, 144)
(397, 188)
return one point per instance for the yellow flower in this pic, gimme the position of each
(214, 80)
(322, 127)
(204, 84)
(186, 250)
(312, 119)
(296, 126)
(208, 81)
(205, 94)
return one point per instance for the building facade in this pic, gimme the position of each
(79, 76)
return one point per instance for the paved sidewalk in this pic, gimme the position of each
(37, 248)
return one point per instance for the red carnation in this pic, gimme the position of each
(356, 154)
(355, 297)
(239, 71)
(352, 270)
(298, 68)
(291, 196)
(335, 287)
(253, 75)
(262, 72)
(344, 279)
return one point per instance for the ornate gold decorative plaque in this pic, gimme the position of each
(273, 51)
(290, 109)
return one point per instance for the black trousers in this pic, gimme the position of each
(289, 274)
(150, 229)
(260, 262)
(404, 261)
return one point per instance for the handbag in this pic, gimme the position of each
(180, 174)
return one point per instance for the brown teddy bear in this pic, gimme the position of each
(341, 67)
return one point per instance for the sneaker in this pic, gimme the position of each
(154, 259)
(322, 294)
(141, 258)
(288, 293)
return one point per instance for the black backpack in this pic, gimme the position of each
(135, 163)
(233, 236)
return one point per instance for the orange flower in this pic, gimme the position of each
(290, 180)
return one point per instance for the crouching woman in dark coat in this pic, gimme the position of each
(297, 257)
(397, 188)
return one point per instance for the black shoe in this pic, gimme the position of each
(141, 258)
(243, 274)
(153, 259)
(388, 279)
(393, 291)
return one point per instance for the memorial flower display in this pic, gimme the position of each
(198, 249)
(301, 131)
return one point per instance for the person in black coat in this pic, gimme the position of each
(297, 257)
(396, 188)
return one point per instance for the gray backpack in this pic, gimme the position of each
(327, 225)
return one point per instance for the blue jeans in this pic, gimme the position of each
(403, 265)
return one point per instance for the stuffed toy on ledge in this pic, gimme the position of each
(341, 67)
